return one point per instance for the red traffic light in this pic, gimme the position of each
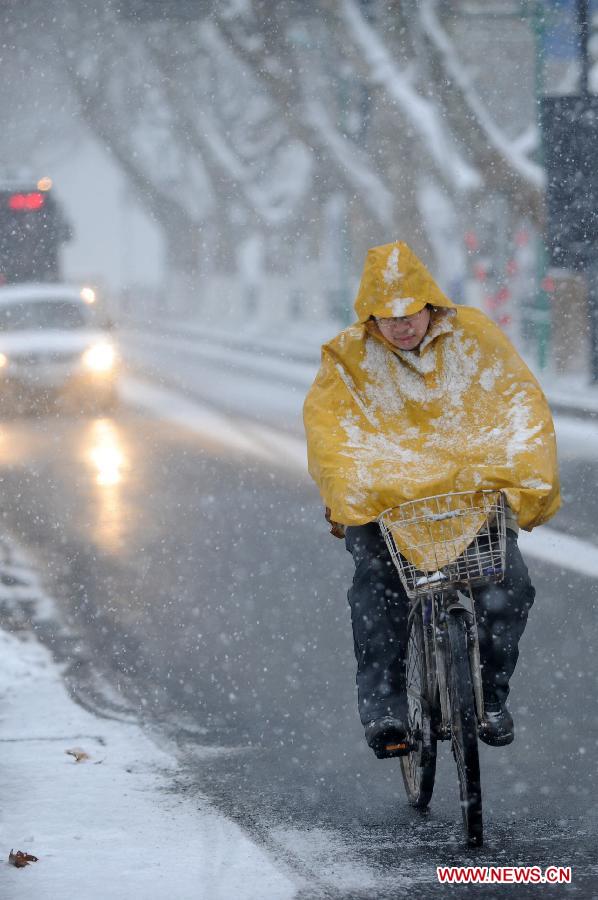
(26, 202)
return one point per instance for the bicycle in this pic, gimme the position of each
(442, 546)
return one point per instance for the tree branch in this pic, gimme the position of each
(311, 124)
(425, 119)
(504, 163)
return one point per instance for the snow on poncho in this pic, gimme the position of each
(461, 413)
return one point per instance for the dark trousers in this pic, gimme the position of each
(379, 608)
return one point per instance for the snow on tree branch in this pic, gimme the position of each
(358, 170)
(422, 114)
(311, 124)
(518, 176)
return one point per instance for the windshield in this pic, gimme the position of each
(43, 314)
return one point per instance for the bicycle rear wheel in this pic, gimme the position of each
(464, 737)
(419, 765)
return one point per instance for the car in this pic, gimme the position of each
(56, 347)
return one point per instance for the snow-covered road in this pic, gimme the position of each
(110, 825)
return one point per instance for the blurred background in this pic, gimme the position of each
(232, 161)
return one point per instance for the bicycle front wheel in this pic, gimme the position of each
(464, 736)
(419, 765)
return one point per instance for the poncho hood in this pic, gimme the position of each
(461, 413)
(395, 283)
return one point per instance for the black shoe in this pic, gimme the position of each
(387, 737)
(496, 728)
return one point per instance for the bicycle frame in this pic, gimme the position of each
(443, 547)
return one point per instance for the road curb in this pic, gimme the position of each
(576, 412)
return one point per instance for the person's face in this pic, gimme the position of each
(405, 332)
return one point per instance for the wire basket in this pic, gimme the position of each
(451, 540)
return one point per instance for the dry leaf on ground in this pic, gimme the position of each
(19, 859)
(80, 755)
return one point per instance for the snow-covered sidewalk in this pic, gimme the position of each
(111, 825)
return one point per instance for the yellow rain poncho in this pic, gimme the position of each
(461, 413)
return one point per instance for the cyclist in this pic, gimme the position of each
(422, 397)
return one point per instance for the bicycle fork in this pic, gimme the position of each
(435, 609)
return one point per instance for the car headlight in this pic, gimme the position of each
(88, 295)
(3, 361)
(100, 358)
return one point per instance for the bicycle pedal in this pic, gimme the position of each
(398, 749)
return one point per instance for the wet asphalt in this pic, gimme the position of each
(200, 592)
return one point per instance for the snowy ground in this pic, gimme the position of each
(110, 825)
